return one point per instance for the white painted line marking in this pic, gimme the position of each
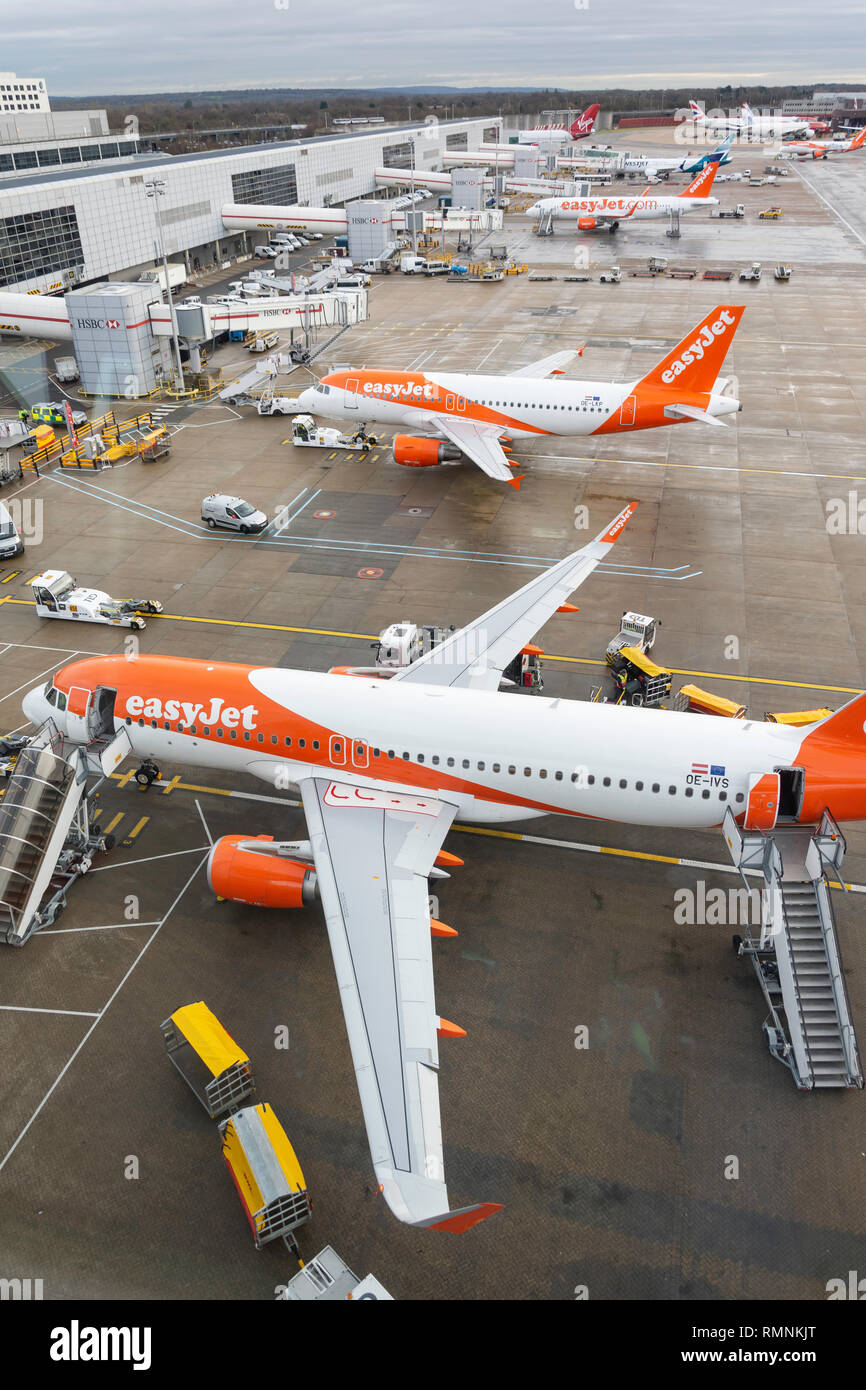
(20, 1009)
(203, 821)
(34, 680)
(111, 926)
(57, 1080)
(127, 863)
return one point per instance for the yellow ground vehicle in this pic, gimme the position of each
(216, 1069)
(692, 698)
(768, 213)
(798, 718)
(638, 680)
(266, 1173)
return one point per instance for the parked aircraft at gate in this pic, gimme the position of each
(474, 414)
(596, 212)
(383, 769)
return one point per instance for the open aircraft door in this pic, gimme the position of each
(90, 713)
(762, 803)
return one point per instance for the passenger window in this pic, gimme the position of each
(638, 786)
(246, 738)
(219, 731)
(233, 733)
(302, 743)
(740, 796)
(420, 758)
(623, 783)
(405, 757)
(542, 772)
(288, 741)
(435, 759)
(316, 744)
(606, 782)
(705, 794)
(723, 796)
(590, 781)
(338, 747)
(557, 776)
(480, 767)
(497, 767)
(465, 762)
(656, 787)
(690, 791)
(450, 762)
(260, 738)
(512, 770)
(527, 772)
(672, 791)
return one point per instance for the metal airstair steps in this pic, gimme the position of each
(797, 957)
(46, 838)
(545, 224)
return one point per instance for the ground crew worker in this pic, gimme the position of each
(24, 417)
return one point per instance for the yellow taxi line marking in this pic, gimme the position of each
(138, 827)
(125, 777)
(113, 822)
(13, 575)
(571, 660)
(170, 786)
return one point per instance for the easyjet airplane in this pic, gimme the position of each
(476, 415)
(385, 766)
(592, 213)
(820, 149)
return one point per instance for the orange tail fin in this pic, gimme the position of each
(696, 361)
(858, 139)
(702, 183)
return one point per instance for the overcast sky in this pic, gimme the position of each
(91, 47)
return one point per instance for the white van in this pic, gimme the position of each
(219, 509)
(10, 538)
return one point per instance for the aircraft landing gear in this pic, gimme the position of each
(147, 773)
(613, 227)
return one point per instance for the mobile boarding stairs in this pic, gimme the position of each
(796, 957)
(48, 837)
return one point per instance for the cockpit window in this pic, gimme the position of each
(55, 698)
(325, 390)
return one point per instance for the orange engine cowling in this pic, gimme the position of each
(413, 451)
(586, 224)
(237, 871)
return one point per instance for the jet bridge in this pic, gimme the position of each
(796, 957)
(47, 835)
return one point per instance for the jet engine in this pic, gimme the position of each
(253, 870)
(586, 224)
(416, 452)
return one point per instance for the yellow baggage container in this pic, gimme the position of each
(691, 697)
(798, 717)
(266, 1173)
(215, 1068)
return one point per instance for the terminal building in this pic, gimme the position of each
(65, 227)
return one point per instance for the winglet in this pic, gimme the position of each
(515, 482)
(616, 527)
(568, 608)
(438, 928)
(462, 1219)
(446, 1029)
(445, 859)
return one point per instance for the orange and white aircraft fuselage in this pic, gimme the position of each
(496, 756)
(475, 411)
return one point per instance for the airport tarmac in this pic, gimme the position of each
(612, 1161)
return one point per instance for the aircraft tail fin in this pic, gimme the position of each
(845, 725)
(695, 362)
(585, 122)
(702, 182)
(696, 111)
(858, 140)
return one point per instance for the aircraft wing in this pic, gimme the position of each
(475, 657)
(478, 442)
(373, 853)
(554, 363)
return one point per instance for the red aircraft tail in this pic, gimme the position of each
(584, 124)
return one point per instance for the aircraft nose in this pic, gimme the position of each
(33, 706)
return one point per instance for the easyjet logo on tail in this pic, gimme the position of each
(619, 522)
(695, 351)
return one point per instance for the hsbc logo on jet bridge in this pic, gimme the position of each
(695, 351)
(97, 323)
(217, 712)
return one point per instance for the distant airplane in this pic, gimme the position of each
(750, 126)
(819, 149)
(599, 212)
(692, 164)
(579, 129)
(472, 414)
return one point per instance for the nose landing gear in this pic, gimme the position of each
(147, 773)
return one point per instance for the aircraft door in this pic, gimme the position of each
(350, 394)
(627, 410)
(762, 803)
(90, 713)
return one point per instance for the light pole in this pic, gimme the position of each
(156, 190)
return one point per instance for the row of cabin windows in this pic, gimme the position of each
(533, 405)
(361, 751)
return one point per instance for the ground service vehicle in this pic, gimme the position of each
(52, 413)
(233, 513)
(57, 596)
(10, 538)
